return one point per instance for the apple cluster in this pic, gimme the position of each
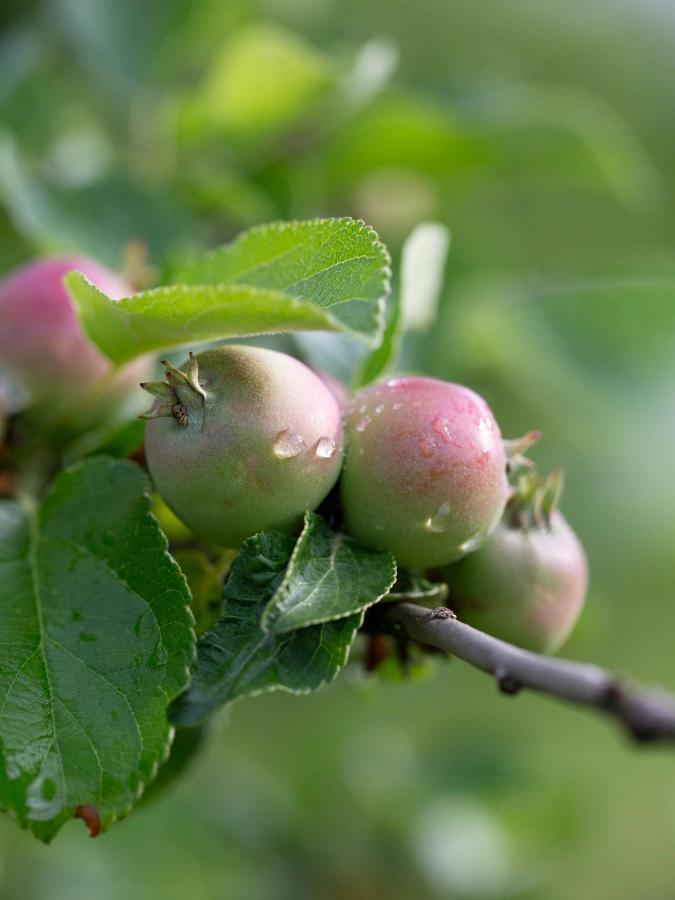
(242, 439)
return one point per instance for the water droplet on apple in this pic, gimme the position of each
(325, 448)
(288, 444)
(440, 521)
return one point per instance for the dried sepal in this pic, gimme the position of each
(164, 410)
(516, 449)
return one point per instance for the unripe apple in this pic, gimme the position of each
(242, 439)
(425, 471)
(527, 583)
(53, 369)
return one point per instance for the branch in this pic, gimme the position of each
(647, 714)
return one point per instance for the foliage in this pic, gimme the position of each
(525, 132)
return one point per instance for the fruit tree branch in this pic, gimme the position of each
(647, 714)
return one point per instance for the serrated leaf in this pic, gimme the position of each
(98, 639)
(328, 577)
(326, 274)
(236, 658)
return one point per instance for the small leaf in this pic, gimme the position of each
(383, 357)
(98, 639)
(415, 588)
(329, 576)
(236, 658)
(326, 274)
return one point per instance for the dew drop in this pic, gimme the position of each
(473, 543)
(440, 521)
(379, 408)
(397, 406)
(361, 425)
(288, 444)
(325, 448)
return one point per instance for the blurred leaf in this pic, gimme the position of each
(98, 219)
(422, 266)
(616, 325)
(113, 39)
(99, 640)
(325, 274)
(205, 578)
(600, 135)
(415, 303)
(375, 63)
(402, 131)
(336, 354)
(236, 658)
(263, 79)
(123, 441)
(328, 577)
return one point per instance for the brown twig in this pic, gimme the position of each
(646, 713)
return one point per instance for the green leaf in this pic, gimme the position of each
(328, 577)
(384, 356)
(413, 306)
(412, 587)
(98, 639)
(263, 79)
(325, 274)
(99, 218)
(236, 658)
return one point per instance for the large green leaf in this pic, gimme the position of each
(98, 639)
(263, 79)
(329, 576)
(325, 274)
(236, 658)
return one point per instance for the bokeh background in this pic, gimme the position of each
(543, 136)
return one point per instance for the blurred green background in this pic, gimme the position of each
(543, 136)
